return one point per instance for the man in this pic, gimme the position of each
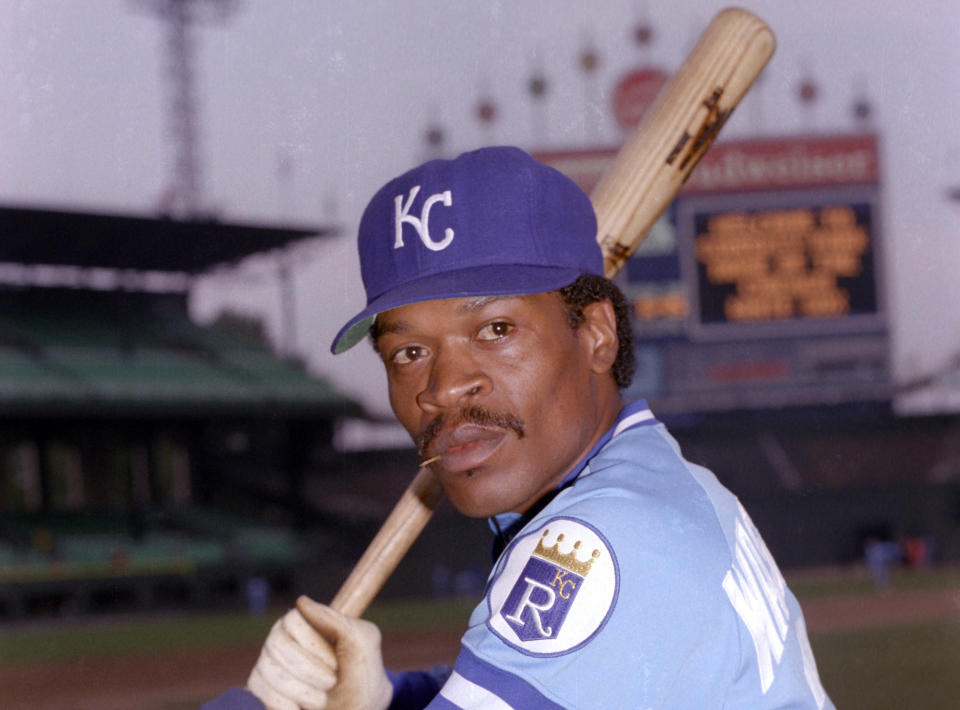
(624, 576)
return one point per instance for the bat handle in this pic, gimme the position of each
(396, 535)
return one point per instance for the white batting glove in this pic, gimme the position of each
(296, 667)
(362, 682)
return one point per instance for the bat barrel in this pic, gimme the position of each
(677, 130)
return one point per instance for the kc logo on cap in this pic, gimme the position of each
(490, 222)
(422, 225)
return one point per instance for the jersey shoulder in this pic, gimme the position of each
(654, 505)
(646, 569)
(622, 571)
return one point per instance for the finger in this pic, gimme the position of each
(289, 686)
(270, 697)
(298, 661)
(330, 623)
(343, 630)
(309, 639)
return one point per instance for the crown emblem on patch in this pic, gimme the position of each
(569, 560)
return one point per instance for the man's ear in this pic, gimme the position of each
(600, 328)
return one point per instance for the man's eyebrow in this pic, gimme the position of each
(397, 327)
(476, 304)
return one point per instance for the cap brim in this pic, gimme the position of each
(501, 280)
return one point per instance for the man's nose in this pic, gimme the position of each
(455, 379)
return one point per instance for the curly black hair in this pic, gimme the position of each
(587, 289)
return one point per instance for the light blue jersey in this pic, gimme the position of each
(642, 584)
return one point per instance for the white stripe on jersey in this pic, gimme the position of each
(629, 421)
(470, 696)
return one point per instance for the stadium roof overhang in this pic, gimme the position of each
(31, 235)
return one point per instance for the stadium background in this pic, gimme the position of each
(170, 447)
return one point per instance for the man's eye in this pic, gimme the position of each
(494, 331)
(406, 355)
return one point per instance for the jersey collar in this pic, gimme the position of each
(506, 525)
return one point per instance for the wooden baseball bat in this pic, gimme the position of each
(643, 179)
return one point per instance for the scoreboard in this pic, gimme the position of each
(804, 263)
(763, 284)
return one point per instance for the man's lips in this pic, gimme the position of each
(466, 446)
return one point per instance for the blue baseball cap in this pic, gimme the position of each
(490, 222)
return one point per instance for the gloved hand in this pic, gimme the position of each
(362, 682)
(298, 668)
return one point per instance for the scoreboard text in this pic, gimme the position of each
(777, 264)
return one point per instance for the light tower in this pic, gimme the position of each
(184, 194)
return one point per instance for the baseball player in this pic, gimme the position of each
(624, 575)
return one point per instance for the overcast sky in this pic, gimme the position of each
(346, 90)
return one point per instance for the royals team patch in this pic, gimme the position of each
(556, 589)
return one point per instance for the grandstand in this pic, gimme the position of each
(144, 459)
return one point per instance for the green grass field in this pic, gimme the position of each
(915, 666)
(73, 640)
(895, 667)
(854, 580)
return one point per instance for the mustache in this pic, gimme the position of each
(468, 415)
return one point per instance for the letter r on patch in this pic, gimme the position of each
(538, 604)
